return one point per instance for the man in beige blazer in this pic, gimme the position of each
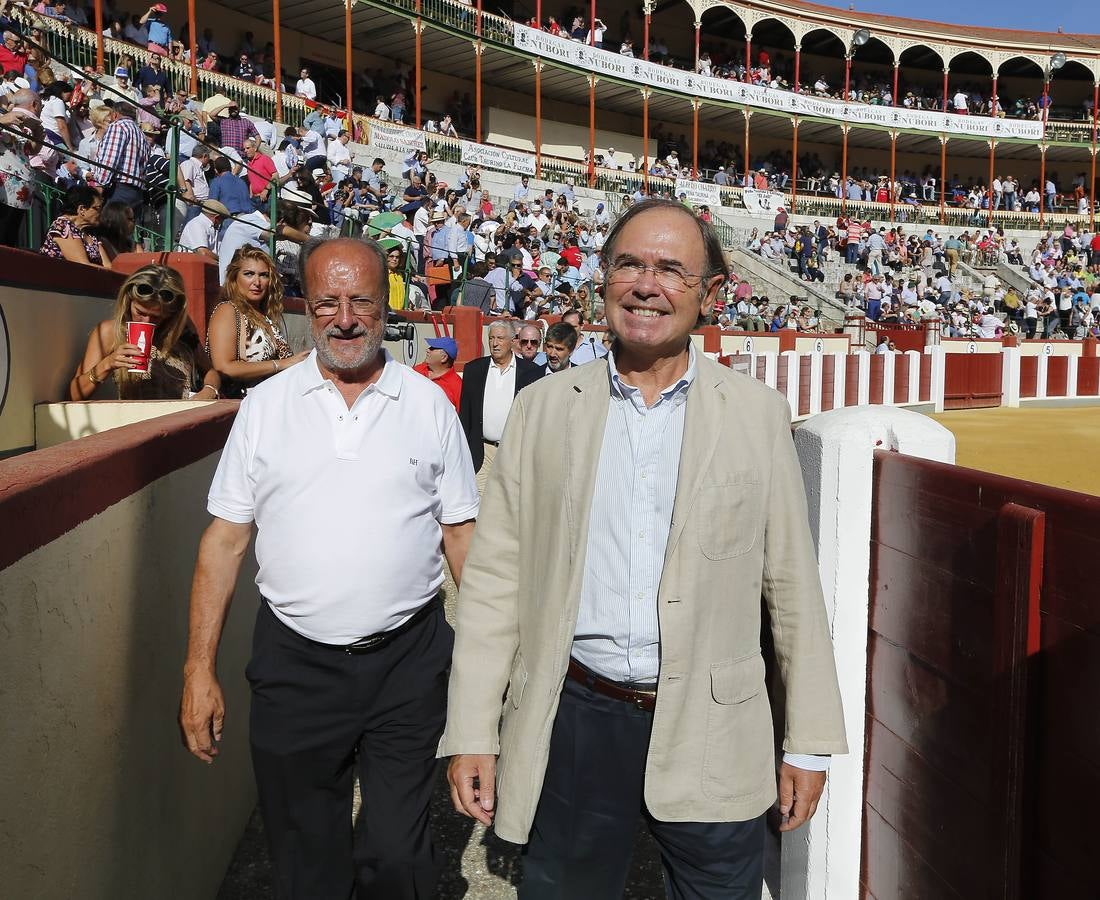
(639, 508)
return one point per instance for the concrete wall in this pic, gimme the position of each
(46, 314)
(55, 423)
(98, 799)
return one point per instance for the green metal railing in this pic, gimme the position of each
(76, 46)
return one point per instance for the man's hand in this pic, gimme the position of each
(202, 714)
(472, 777)
(799, 793)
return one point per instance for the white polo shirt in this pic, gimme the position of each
(348, 503)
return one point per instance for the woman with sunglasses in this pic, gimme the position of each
(178, 368)
(246, 337)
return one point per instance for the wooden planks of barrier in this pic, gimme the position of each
(984, 676)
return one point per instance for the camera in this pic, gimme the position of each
(398, 329)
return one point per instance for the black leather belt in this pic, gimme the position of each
(490, 443)
(643, 698)
(374, 641)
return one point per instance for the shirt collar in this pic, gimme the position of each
(511, 365)
(311, 378)
(675, 393)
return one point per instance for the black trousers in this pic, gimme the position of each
(318, 713)
(587, 816)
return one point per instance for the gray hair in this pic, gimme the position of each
(505, 325)
(712, 244)
(369, 244)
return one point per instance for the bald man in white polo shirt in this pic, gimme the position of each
(356, 474)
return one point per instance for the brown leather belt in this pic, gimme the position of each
(640, 697)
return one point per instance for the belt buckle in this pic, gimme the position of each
(364, 644)
(641, 698)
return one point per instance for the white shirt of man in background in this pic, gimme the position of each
(305, 87)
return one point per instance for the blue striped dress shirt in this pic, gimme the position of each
(617, 633)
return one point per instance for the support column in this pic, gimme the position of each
(847, 74)
(276, 14)
(1092, 181)
(645, 139)
(945, 71)
(645, 37)
(99, 34)
(477, 75)
(591, 130)
(748, 115)
(992, 155)
(897, 68)
(347, 67)
(794, 164)
(698, 29)
(1043, 152)
(538, 117)
(477, 90)
(893, 165)
(943, 175)
(695, 137)
(192, 40)
(797, 68)
(844, 167)
(995, 98)
(418, 67)
(748, 56)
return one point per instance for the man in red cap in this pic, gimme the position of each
(439, 364)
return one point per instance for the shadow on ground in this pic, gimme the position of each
(476, 864)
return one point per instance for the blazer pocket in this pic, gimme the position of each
(728, 520)
(517, 681)
(738, 758)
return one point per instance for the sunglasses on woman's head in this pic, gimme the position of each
(163, 294)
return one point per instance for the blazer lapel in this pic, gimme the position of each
(588, 403)
(703, 426)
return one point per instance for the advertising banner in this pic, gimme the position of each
(762, 203)
(500, 158)
(697, 193)
(396, 139)
(639, 71)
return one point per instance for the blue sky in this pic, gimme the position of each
(1072, 15)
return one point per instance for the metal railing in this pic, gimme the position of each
(76, 45)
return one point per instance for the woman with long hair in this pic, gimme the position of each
(178, 368)
(115, 230)
(246, 337)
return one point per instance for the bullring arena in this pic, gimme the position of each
(907, 210)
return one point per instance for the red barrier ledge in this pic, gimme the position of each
(47, 493)
(22, 268)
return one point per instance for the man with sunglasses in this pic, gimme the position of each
(354, 470)
(612, 597)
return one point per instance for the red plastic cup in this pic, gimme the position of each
(141, 335)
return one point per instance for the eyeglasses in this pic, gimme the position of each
(360, 306)
(528, 343)
(142, 289)
(670, 278)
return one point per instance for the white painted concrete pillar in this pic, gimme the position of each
(863, 392)
(840, 379)
(939, 367)
(793, 380)
(771, 365)
(889, 361)
(1010, 376)
(835, 450)
(1041, 376)
(815, 383)
(912, 359)
(1071, 376)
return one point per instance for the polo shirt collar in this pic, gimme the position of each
(388, 384)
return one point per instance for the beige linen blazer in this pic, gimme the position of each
(739, 530)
